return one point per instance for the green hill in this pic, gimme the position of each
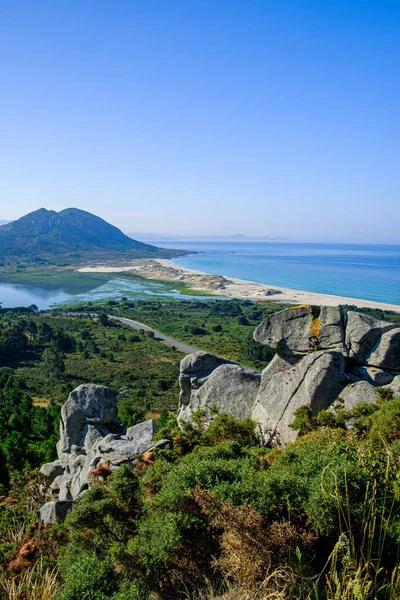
(71, 236)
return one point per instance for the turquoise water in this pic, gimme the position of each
(367, 272)
(357, 271)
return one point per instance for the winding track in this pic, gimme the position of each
(140, 326)
(157, 336)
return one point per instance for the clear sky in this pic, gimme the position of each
(277, 118)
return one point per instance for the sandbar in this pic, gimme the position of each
(166, 270)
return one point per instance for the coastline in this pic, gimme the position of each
(166, 270)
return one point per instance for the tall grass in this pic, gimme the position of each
(34, 584)
(356, 567)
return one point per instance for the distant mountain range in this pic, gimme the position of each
(70, 237)
(238, 237)
(3, 222)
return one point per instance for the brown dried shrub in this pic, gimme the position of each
(251, 550)
(26, 557)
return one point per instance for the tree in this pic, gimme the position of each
(104, 320)
(53, 362)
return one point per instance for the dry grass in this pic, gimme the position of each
(34, 584)
(152, 414)
(40, 402)
(16, 534)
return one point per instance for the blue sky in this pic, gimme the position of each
(277, 118)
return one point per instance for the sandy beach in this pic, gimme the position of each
(166, 270)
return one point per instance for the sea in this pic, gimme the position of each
(370, 272)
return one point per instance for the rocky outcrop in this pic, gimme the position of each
(142, 433)
(375, 376)
(52, 470)
(209, 382)
(320, 363)
(387, 353)
(296, 331)
(195, 370)
(318, 358)
(363, 334)
(367, 354)
(91, 436)
(55, 511)
(315, 382)
(89, 410)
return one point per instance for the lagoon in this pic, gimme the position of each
(45, 297)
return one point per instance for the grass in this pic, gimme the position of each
(40, 402)
(37, 583)
(222, 327)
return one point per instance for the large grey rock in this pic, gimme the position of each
(194, 370)
(55, 485)
(387, 353)
(202, 363)
(229, 388)
(119, 450)
(55, 511)
(353, 394)
(79, 484)
(363, 334)
(63, 457)
(142, 432)
(87, 404)
(315, 382)
(76, 464)
(331, 328)
(52, 470)
(277, 365)
(65, 482)
(296, 331)
(91, 434)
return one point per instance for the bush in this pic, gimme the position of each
(85, 576)
(385, 422)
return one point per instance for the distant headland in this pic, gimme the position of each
(70, 237)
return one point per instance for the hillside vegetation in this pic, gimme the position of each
(72, 236)
(223, 327)
(219, 517)
(215, 516)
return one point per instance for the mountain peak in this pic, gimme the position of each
(72, 234)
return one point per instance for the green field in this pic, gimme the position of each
(224, 327)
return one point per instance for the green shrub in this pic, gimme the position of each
(385, 422)
(85, 576)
